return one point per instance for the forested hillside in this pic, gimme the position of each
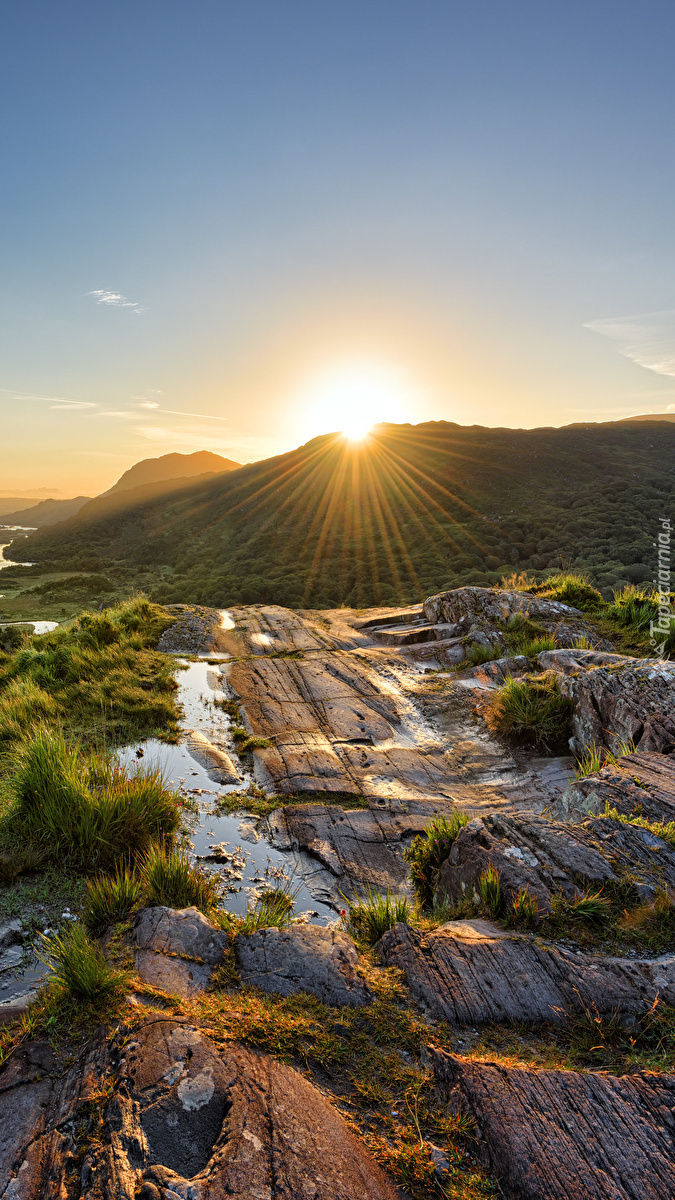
(412, 510)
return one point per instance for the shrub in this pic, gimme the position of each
(634, 606)
(428, 852)
(369, 919)
(110, 898)
(84, 808)
(78, 965)
(531, 711)
(274, 909)
(171, 879)
(524, 909)
(490, 890)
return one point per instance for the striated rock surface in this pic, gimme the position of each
(641, 784)
(630, 702)
(494, 605)
(302, 958)
(572, 661)
(177, 949)
(472, 972)
(563, 1135)
(185, 1118)
(550, 856)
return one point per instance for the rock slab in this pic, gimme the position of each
(614, 705)
(177, 949)
(641, 784)
(564, 1135)
(302, 958)
(472, 973)
(185, 1118)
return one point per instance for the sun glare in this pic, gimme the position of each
(351, 402)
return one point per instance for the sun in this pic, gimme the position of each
(351, 401)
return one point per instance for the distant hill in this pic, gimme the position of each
(413, 510)
(46, 512)
(172, 466)
(651, 417)
(9, 503)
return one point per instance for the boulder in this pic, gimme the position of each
(473, 972)
(466, 604)
(302, 958)
(574, 660)
(177, 949)
(641, 784)
(567, 1135)
(185, 1118)
(629, 702)
(499, 669)
(553, 857)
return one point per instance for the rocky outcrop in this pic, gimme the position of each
(472, 972)
(302, 958)
(493, 605)
(553, 857)
(632, 702)
(563, 1135)
(572, 661)
(498, 670)
(184, 1118)
(641, 784)
(177, 949)
(192, 631)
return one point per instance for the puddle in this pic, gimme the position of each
(237, 846)
(38, 626)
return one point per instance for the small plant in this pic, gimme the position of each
(171, 879)
(79, 967)
(20, 861)
(634, 606)
(582, 643)
(531, 711)
(274, 909)
(110, 898)
(490, 890)
(597, 757)
(573, 588)
(369, 919)
(428, 852)
(523, 582)
(525, 910)
(591, 906)
(477, 654)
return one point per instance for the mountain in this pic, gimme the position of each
(410, 511)
(172, 466)
(651, 417)
(9, 503)
(46, 512)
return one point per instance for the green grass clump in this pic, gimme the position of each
(634, 606)
(100, 677)
(490, 890)
(369, 919)
(171, 879)
(597, 757)
(110, 898)
(81, 808)
(79, 967)
(274, 909)
(532, 712)
(524, 908)
(573, 588)
(476, 654)
(20, 860)
(428, 852)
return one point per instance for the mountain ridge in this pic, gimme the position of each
(172, 466)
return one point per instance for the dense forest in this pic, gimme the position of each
(408, 512)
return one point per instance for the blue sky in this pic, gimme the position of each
(222, 225)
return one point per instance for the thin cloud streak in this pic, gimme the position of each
(647, 339)
(114, 299)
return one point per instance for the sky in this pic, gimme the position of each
(233, 226)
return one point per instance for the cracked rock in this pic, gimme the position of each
(303, 958)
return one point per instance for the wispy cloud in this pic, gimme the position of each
(154, 406)
(648, 339)
(114, 299)
(55, 402)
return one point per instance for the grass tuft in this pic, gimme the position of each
(79, 967)
(532, 712)
(171, 879)
(477, 654)
(272, 910)
(490, 890)
(428, 852)
(110, 898)
(524, 909)
(369, 919)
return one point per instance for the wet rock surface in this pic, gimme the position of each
(185, 1118)
(219, 764)
(632, 702)
(302, 958)
(641, 784)
(563, 1135)
(554, 857)
(177, 949)
(473, 972)
(193, 632)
